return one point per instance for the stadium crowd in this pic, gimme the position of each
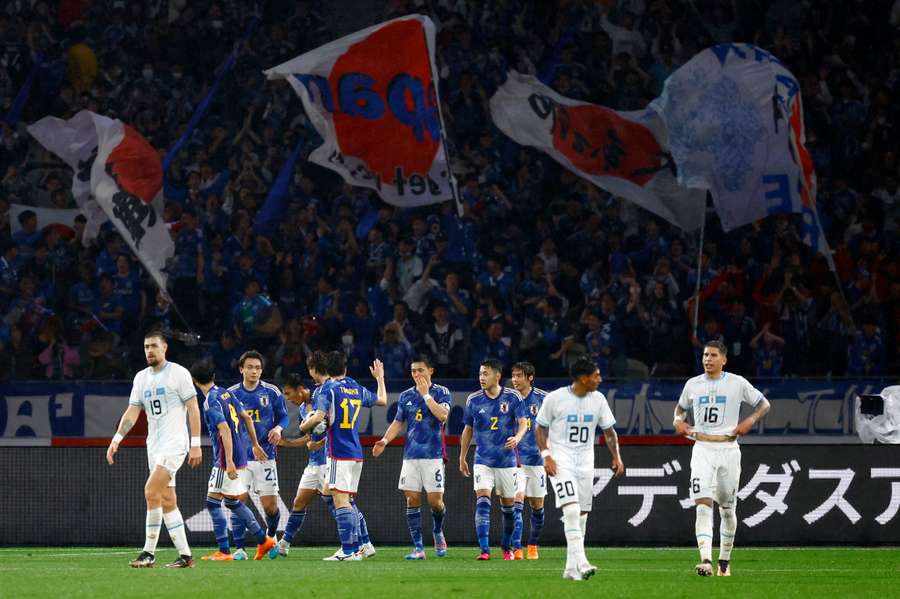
(541, 266)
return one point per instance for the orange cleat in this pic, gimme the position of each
(218, 556)
(532, 552)
(517, 553)
(263, 549)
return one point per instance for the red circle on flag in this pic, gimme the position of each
(136, 166)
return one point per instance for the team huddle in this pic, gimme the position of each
(523, 436)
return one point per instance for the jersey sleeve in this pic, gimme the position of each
(215, 414)
(368, 398)
(135, 398)
(467, 413)
(400, 416)
(442, 397)
(280, 413)
(605, 418)
(324, 399)
(184, 386)
(685, 401)
(750, 394)
(545, 414)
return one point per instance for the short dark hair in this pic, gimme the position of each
(493, 363)
(249, 355)
(294, 380)
(716, 344)
(527, 368)
(156, 333)
(203, 371)
(318, 361)
(336, 363)
(25, 215)
(583, 366)
(423, 358)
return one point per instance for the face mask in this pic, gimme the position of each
(217, 24)
(148, 74)
(347, 339)
(176, 76)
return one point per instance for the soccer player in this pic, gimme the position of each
(714, 398)
(493, 416)
(229, 478)
(166, 394)
(341, 401)
(265, 405)
(424, 407)
(566, 425)
(532, 484)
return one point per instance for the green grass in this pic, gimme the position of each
(645, 573)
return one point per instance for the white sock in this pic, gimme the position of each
(175, 525)
(703, 528)
(151, 529)
(584, 525)
(727, 528)
(574, 539)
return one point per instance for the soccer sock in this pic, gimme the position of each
(509, 524)
(414, 521)
(220, 523)
(345, 524)
(362, 531)
(248, 521)
(272, 522)
(329, 502)
(537, 525)
(483, 523)
(437, 521)
(704, 529)
(151, 529)
(583, 523)
(238, 530)
(518, 508)
(294, 524)
(574, 538)
(727, 528)
(175, 525)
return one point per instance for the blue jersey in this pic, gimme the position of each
(529, 454)
(317, 457)
(218, 407)
(493, 421)
(424, 432)
(342, 400)
(265, 404)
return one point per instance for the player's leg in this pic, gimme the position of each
(506, 481)
(238, 528)
(729, 475)
(268, 495)
(217, 514)
(306, 492)
(175, 525)
(241, 512)
(566, 488)
(414, 520)
(153, 488)
(342, 482)
(518, 508)
(585, 488)
(366, 549)
(484, 483)
(702, 491)
(432, 474)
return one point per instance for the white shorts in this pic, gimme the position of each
(573, 486)
(220, 483)
(532, 481)
(314, 477)
(503, 480)
(715, 472)
(263, 477)
(426, 474)
(343, 475)
(170, 462)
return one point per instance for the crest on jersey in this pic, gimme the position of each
(534, 410)
(264, 400)
(504, 408)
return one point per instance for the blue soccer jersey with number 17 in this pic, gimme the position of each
(342, 400)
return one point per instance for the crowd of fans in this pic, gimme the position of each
(541, 266)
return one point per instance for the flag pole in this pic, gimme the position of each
(699, 273)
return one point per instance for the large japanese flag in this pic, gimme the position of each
(624, 153)
(372, 96)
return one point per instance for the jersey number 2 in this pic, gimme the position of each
(347, 421)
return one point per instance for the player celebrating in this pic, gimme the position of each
(567, 422)
(493, 416)
(715, 399)
(265, 405)
(229, 478)
(165, 392)
(425, 408)
(341, 401)
(531, 482)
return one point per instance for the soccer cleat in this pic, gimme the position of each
(724, 568)
(572, 575)
(240, 555)
(531, 552)
(440, 545)
(218, 556)
(508, 555)
(183, 561)
(517, 554)
(144, 560)
(704, 568)
(587, 570)
(367, 550)
(418, 554)
(280, 549)
(263, 548)
(343, 557)
(484, 556)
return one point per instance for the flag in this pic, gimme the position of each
(624, 153)
(61, 219)
(372, 96)
(274, 206)
(735, 121)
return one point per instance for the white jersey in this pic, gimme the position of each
(572, 422)
(162, 396)
(716, 403)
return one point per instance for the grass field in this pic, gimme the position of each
(644, 573)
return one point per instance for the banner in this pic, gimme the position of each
(624, 153)
(63, 219)
(373, 98)
(735, 122)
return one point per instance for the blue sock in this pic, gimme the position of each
(437, 521)
(238, 530)
(272, 522)
(346, 527)
(537, 525)
(414, 521)
(518, 524)
(483, 523)
(220, 523)
(329, 502)
(294, 524)
(509, 524)
(247, 518)
(362, 531)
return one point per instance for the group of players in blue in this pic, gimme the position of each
(246, 422)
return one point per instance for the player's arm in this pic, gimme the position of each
(301, 441)
(541, 437)
(465, 439)
(313, 421)
(228, 448)
(612, 442)
(281, 418)
(389, 435)
(681, 426)
(258, 452)
(125, 423)
(195, 455)
(762, 408)
(377, 370)
(441, 411)
(513, 442)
